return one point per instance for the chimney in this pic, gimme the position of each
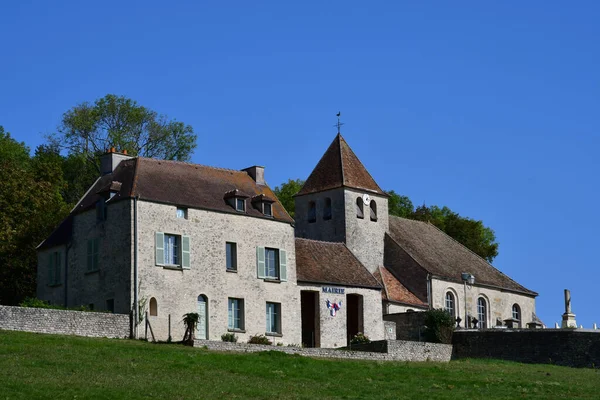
(257, 173)
(110, 160)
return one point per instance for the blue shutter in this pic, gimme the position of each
(282, 265)
(260, 262)
(185, 252)
(160, 248)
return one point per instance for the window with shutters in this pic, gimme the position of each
(235, 314)
(172, 250)
(93, 255)
(271, 264)
(373, 207)
(359, 208)
(273, 315)
(54, 268)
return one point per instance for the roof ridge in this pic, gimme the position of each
(319, 241)
(477, 255)
(339, 139)
(193, 164)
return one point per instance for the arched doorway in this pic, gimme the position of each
(202, 328)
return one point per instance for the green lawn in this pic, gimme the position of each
(66, 367)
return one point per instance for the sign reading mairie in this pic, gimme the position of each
(335, 290)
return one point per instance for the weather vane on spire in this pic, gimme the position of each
(339, 124)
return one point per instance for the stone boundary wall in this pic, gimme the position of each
(409, 325)
(567, 347)
(395, 350)
(64, 322)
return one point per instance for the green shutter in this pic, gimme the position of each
(260, 261)
(282, 265)
(185, 252)
(160, 248)
(90, 251)
(96, 253)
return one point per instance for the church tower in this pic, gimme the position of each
(341, 202)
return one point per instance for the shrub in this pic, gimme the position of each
(36, 303)
(360, 338)
(259, 339)
(439, 326)
(229, 337)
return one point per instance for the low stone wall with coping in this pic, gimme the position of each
(64, 322)
(381, 350)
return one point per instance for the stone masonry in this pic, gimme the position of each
(64, 322)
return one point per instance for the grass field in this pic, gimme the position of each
(36, 366)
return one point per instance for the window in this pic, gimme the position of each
(93, 252)
(236, 314)
(482, 312)
(231, 256)
(110, 305)
(54, 264)
(450, 304)
(373, 207)
(267, 209)
(327, 209)
(172, 250)
(182, 212)
(359, 208)
(101, 211)
(516, 313)
(312, 212)
(240, 205)
(153, 307)
(273, 318)
(271, 263)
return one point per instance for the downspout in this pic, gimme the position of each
(135, 266)
(429, 300)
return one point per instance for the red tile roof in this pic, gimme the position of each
(331, 263)
(395, 291)
(339, 167)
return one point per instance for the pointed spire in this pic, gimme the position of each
(339, 167)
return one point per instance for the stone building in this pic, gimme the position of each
(164, 238)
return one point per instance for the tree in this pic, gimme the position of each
(398, 205)
(285, 193)
(31, 206)
(116, 121)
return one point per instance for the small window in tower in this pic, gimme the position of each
(373, 210)
(327, 209)
(359, 208)
(312, 212)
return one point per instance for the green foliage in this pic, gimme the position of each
(37, 303)
(40, 366)
(190, 320)
(31, 206)
(439, 326)
(360, 338)
(229, 337)
(285, 193)
(259, 339)
(400, 206)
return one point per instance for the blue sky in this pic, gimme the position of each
(490, 108)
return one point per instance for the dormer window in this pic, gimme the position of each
(182, 212)
(240, 204)
(268, 209)
(236, 199)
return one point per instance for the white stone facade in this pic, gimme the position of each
(499, 302)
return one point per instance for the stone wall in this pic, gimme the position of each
(176, 290)
(569, 347)
(499, 302)
(409, 326)
(64, 322)
(391, 350)
(329, 230)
